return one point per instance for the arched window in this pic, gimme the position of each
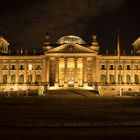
(29, 80)
(136, 77)
(128, 79)
(4, 79)
(21, 79)
(13, 79)
(38, 78)
(120, 79)
(103, 79)
(112, 79)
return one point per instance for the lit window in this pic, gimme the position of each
(30, 67)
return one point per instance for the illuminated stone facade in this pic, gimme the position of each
(71, 63)
(3, 45)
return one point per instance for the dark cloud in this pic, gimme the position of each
(24, 23)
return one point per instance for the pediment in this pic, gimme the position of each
(71, 48)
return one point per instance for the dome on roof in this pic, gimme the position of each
(71, 39)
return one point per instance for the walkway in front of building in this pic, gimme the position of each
(70, 93)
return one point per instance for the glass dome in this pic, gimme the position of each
(71, 39)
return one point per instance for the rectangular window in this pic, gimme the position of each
(13, 67)
(30, 67)
(38, 67)
(128, 67)
(112, 88)
(21, 67)
(103, 67)
(129, 89)
(5, 67)
(136, 67)
(111, 67)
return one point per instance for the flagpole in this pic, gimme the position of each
(120, 89)
(119, 56)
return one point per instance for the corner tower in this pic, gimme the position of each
(95, 45)
(136, 45)
(46, 45)
(3, 45)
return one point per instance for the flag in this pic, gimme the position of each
(118, 45)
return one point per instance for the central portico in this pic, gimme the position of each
(71, 64)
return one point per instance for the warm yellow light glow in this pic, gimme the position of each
(71, 63)
(30, 67)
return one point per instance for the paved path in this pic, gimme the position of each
(69, 117)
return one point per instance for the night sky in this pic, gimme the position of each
(25, 22)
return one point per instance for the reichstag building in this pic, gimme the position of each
(70, 63)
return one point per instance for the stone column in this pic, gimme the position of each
(9, 73)
(118, 71)
(17, 72)
(75, 73)
(25, 69)
(132, 72)
(44, 71)
(57, 73)
(121, 72)
(48, 70)
(107, 72)
(98, 71)
(34, 72)
(115, 71)
(65, 73)
(93, 71)
(85, 72)
(124, 71)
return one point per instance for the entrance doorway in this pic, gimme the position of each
(71, 77)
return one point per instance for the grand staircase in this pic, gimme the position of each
(71, 93)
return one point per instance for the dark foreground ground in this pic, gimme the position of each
(69, 117)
